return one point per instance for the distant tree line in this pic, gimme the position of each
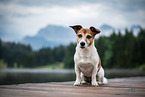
(116, 51)
(122, 51)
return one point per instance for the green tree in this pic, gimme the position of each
(129, 45)
(141, 47)
(69, 60)
(102, 47)
(117, 51)
(59, 53)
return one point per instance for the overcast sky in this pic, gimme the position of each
(19, 18)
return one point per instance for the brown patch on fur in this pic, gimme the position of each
(84, 33)
(76, 28)
(99, 65)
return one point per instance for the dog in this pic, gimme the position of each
(86, 58)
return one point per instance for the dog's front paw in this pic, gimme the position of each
(83, 82)
(77, 83)
(95, 84)
(100, 83)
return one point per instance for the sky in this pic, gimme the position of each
(19, 18)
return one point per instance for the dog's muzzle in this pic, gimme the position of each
(82, 44)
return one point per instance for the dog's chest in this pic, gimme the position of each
(86, 60)
(86, 68)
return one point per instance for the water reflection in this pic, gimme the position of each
(17, 76)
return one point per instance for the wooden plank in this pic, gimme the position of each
(118, 87)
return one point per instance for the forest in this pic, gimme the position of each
(116, 51)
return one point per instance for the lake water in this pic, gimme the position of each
(18, 76)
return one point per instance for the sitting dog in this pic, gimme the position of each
(86, 58)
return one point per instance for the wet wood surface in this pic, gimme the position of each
(118, 87)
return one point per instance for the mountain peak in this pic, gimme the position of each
(106, 27)
(56, 33)
(50, 36)
(136, 27)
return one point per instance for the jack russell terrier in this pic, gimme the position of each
(86, 58)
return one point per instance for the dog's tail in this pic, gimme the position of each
(105, 81)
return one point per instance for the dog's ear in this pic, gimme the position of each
(94, 30)
(76, 28)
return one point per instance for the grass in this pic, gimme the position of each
(3, 64)
(52, 66)
(142, 67)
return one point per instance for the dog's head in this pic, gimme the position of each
(85, 37)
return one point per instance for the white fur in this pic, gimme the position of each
(86, 45)
(86, 62)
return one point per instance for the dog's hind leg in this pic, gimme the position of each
(101, 78)
(85, 79)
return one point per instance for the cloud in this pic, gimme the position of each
(26, 17)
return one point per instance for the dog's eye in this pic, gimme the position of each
(80, 35)
(89, 36)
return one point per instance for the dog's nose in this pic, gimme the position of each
(82, 43)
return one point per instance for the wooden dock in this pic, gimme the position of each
(118, 87)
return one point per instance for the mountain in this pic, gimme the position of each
(57, 34)
(135, 29)
(105, 30)
(106, 27)
(50, 36)
(38, 42)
